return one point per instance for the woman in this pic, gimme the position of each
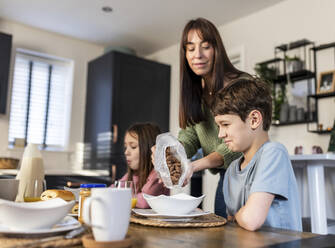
(204, 69)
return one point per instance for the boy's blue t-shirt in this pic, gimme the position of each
(270, 171)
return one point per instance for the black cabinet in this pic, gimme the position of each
(122, 89)
(59, 181)
(5, 53)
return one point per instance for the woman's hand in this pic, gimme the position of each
(188, 175)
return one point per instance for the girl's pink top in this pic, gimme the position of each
(151, 187)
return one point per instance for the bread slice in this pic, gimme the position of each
(54, 193)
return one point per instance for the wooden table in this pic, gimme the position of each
(229, 235)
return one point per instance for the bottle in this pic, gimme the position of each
(85, 191)
(31, 171)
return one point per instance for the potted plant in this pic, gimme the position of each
(293, 64)
(269, 74)
(265, 72)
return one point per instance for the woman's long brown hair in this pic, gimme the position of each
(146, 134)
(191, 92)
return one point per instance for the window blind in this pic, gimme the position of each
(38, 103)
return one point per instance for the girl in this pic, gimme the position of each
(204, 69)
(138, 140)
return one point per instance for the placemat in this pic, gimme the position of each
(59, 241)
(209, 220)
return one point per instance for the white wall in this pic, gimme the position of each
(259, 33)
(80, 53)
(287, 21)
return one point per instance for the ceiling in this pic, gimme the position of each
(143, 25)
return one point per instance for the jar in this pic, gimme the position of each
(85, 191)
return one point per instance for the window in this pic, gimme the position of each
(40, 103)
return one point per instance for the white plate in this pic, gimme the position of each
(73, 215)
(67, 224)
(152, 214)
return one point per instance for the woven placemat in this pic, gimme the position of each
(18, 241)
(6, 242)
(209, 220)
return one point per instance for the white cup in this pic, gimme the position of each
(107, 211)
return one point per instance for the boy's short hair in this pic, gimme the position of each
(242, 96)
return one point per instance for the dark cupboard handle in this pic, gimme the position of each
(115, 133)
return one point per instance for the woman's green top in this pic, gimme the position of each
(205, 135)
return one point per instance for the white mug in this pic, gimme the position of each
(107, 211)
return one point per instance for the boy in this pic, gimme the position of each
(259, 187)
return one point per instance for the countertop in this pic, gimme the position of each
(53, 172)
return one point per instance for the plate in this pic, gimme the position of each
(152, 214)
(73, 215)
(67, 224)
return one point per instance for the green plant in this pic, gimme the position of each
(269, 74)
(295, 58)
(265, 72)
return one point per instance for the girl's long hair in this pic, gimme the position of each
(146, 134)
(191, 92)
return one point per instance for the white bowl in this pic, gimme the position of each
(173, 205)
(33, 215)
(8, 188)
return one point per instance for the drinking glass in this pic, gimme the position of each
(33, 190)
(131, 185)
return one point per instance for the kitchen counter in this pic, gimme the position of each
(94, 173)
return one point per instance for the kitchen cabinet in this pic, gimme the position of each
(122, 89)
(5, 54)
(59, 181)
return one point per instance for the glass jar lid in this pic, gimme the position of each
(93, 185)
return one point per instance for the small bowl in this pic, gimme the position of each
(9, 188)
(178, 204)
(33, 215)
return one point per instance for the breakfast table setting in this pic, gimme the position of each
(227, 235)
(98, 216)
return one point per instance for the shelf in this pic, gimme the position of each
(270, 61)
(295, 76)
(317, 96)
(295, 44)
(292, 123)
(320, 132)
(324, 46)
